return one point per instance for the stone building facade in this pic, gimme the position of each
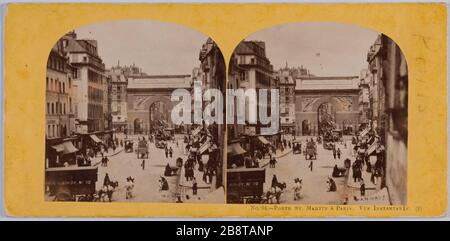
(59, 93)
(389, 97)
(338, 95)
(90, 83)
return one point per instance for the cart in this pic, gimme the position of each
(296, 147)
(245, 185)
(311, 151)
(142, 150)
(129, 146)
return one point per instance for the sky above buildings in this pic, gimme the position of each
(158, 48)
(326, 49)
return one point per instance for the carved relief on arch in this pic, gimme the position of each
(143, 103)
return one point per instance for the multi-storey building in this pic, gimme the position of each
(60, 98)
(364, 98)
(251, 69)
(91, 84)
(59, 93)
(212, 73)
(389, 101)
(117, 90)
(287, 100)
(377, 89)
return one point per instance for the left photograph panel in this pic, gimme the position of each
(133, 115)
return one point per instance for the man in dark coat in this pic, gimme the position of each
(106, 180)
(363, 188)
(274, 181)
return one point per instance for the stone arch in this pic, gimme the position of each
(168, 104)
(323, 100)
(159, 98)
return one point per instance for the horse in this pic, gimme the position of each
(280, 185)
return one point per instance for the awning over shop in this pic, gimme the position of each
(95, 139)
(204, 147)
(364, 132)
(196, 131)
(58, 148)
(235, 149)
(263, 140)
(65, 148)
(372, 148)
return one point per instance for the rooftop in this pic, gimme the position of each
(159, 82)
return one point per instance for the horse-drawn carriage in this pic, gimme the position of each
(245, 185)
(142, 150)
(129, 146)
(311, 150)
(296, 147)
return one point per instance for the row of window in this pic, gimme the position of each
(95, 94)
(56, 63)
(57, 85)
(55, 108)
(56, 130)
(95, 111)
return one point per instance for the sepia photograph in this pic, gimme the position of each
(225, 111)
(342, 113)
(110, 131)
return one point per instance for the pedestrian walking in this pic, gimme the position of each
(106, 180)
(297, 188)
(194, 187)
(143, 164)
(129, 188)
(362, 188)
(167, 152)
(334, 153)
(273, 162)
(170, 152)
(310, 165)
(186, 171)
(338, 153)
(274, 181)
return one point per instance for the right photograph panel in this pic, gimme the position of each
(331, 127)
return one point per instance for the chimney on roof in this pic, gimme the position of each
(71, 34)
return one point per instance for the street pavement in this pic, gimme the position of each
(314, 189)
(146, 186)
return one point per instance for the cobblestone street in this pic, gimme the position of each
(314, 189)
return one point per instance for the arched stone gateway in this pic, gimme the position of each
(147, 94)
(340, 96)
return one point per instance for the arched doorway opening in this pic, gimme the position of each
(159, 116)
(306, 128)
(137, 126)
(326, 116)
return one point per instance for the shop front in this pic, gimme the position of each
(61, 152)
